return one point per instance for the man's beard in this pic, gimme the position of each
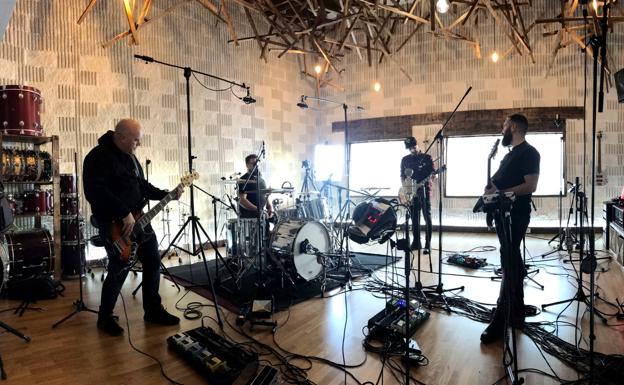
(507, 138)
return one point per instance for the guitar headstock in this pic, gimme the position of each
(494, 149)
(188, 179)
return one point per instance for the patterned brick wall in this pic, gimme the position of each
(88, 88)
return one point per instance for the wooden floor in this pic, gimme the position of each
(77, 353)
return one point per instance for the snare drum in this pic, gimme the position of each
(44, 169)
(68, 185)
(315, 209)
(31, 252)
(37, 202)
(73, 256)
(285, 247)
(20, 110)
(17, 169)
(31, 165)
(242, 237)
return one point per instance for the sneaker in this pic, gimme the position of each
(161, 317)
(110, 326)
(415, 246)
(426, 251)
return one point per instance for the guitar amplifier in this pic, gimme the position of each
(618, 215)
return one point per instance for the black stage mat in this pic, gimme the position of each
(284, 293)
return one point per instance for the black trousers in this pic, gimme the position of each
(421, 203)
(511, 231)
(149, 256)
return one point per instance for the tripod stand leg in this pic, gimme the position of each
(14, 331)
(196, 227)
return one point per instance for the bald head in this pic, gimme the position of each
(127, 135)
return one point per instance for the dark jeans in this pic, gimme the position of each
(514, 228)
(421, 203)
(149, 256)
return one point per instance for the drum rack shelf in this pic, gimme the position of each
(38, 141)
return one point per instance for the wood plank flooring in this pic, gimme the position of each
(77, 353)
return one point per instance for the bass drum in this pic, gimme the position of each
(285, 247)
(31, 252)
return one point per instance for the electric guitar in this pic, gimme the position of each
(601, 179)
(409, 188)
(480, 203)
(125, 248)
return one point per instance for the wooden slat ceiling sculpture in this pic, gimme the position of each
(324, 31)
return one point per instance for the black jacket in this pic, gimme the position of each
(114, 183)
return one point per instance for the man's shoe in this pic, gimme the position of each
(161, 317)
(495, 330)
(426, 251)
(415, 246)
(109, 325)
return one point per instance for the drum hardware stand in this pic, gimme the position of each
(79, 303)
(502, 211)
(16, 332)
(193, 220)
(439, 288)
(560, 236)
(217, 254)
(308, 179)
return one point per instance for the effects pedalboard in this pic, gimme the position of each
(221, 361)
(467, 261)
(390, 322)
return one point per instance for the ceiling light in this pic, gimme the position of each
(442, 6)
(377, 86)
(494, 57)
(318, 69)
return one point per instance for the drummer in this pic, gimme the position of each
(248, 184)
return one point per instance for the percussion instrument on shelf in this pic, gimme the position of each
(286, 252)
(72, 229)
(69, 206)
(26, 165)
(20, 110)
(31, 252)
(73, 255)
(68, 185)
(16, 204)
(37, 202)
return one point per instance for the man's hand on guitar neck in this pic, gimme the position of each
(128, 225)
(179, 192)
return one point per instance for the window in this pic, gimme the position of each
(328, 162)
(377, 164)
(466, 161)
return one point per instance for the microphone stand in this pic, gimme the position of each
(214, 213)
(193, 220)
(439, 288)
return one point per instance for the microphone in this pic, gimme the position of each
(468, 91)
(148, 161)
(302, 103)
(247, 99)
(147, 59)
(359, 108)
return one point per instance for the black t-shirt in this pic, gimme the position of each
(422, 164)
(252, 195)
(522, 160)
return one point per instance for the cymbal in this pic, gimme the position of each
(229, 181)
(276, 190)
(311, 193)
(375, 188)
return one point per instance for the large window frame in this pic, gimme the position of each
(546, 165)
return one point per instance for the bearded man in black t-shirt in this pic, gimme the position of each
(518, 173)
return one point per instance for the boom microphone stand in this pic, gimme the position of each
(193, 220)
(439, 289)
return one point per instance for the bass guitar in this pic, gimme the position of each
(410, 187)
(125, 247)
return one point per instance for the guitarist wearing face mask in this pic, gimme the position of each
(115, 186)
(518, 173)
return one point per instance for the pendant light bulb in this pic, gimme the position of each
(318, 69)
(442, 6)
(377, 86)
(495, 57)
